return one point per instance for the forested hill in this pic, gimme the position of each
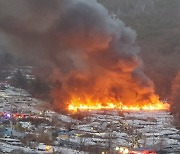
(157, 23)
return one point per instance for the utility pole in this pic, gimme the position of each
(110, 135)
(153, 129)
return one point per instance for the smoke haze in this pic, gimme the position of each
(176, 94)
(94, 55)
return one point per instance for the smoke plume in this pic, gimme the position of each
(94, 55)
(175, 106)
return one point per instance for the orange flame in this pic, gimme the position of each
(77, 104)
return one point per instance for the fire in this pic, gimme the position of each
(77, 104)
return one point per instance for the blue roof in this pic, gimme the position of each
(62, 132)
(10, 131)
(6, 131)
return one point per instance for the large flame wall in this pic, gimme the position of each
(93, 54)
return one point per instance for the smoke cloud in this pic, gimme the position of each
(175, 107)
(94, 55)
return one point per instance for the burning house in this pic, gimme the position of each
(91, 63)
(76, 42)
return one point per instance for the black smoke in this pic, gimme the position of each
(89, 51)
